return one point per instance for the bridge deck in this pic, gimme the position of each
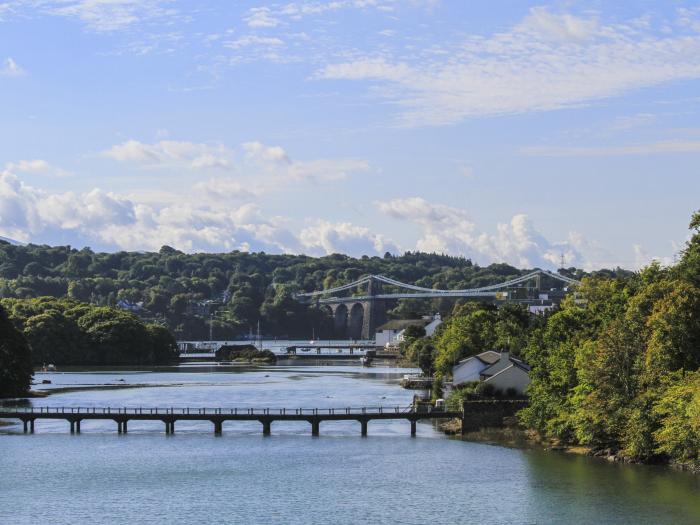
(266, 416)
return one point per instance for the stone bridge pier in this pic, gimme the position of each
(358, 318)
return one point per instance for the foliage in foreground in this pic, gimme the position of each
(617, 367)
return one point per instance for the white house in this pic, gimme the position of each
(470, 369)
(497, 369)
(392, 332)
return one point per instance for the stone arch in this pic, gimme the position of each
(340, 321)
(355, 321)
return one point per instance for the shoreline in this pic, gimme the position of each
(511, 435)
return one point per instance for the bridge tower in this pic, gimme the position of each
(374, 309)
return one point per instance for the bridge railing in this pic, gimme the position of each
(205, 411)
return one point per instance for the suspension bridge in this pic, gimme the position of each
(358, 315)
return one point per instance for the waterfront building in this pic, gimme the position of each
(392, 332)
(499, 369)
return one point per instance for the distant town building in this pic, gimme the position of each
(495, 368)
(128, 305)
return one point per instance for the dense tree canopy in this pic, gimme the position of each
(66, 332)
(232, 291)
(15, 359)
(617, 366)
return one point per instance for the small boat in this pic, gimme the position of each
(49, 368)
(366, 361)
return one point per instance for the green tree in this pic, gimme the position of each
(15, 360)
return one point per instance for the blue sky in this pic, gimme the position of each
(502, 131)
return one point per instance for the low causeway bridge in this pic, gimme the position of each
(217, 416)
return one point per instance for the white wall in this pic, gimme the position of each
(512, 377)
(383, 337)
(430, 327)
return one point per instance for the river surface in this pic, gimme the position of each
(193, 477)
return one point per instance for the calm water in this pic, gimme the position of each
(242, 477)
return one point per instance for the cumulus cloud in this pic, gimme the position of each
(215, 215)
(546, 62)
(106, 220)
(325, 238)
(11, 69)
(445, 229)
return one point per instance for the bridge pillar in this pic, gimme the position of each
(24, 421)
(119, 426)
(363, 426)
(374, 310)
(315, 427)
(72, 427)
(413, 427)
(266, 423)
(124, 425)
(31, 426)
(218, 427)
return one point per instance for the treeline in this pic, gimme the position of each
(67, 332)
(615, 367)
(173, 287)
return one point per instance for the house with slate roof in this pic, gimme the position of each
(495, 368)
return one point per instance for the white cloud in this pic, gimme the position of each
(562, 27)
(106, 220)
(11, 69)
(325, 238)
(215, 215)
(273, 16)
(547, 62)
(253, 40)
(652, 148)
(253, 167)
(107, 15)
(39, 166)
(170, 153)
(642, 258)
(261, 17)
(446, 229)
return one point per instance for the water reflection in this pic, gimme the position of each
(290, 477)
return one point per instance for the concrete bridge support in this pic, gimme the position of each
(218, 427)
(266, 423)
(363, 423)
(315, 427)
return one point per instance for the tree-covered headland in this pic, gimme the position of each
(67, 332)
(616, 367)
